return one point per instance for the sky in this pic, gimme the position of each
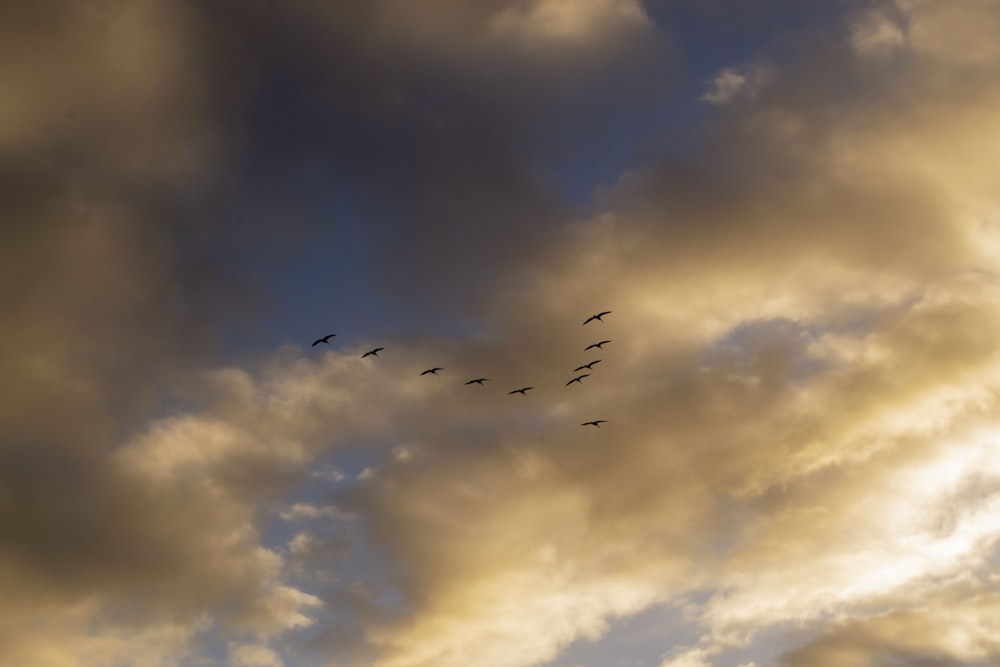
(791, 209)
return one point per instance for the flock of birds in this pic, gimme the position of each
(522, 390)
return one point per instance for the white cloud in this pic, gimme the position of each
(580, 21)
(301, 511)
(253, 655)
(730, 83)
(876, 34)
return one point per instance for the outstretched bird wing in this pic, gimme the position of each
(598, 316)
(589, 366)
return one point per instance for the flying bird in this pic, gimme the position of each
(324, 339)
(597, 317)
(432, 371)
(596, 422)
(523, 391)
(478, 381)
(597, 345)
(578, 378)
(589, 366)
(373, 353)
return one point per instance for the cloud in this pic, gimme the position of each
(729, 83)
(127, 102)
(82, 642)
(253, 655)
(300, 511)
(806, 381)
(952, 626)
(509, 26)
(567, 20)
(428, 132)
(952, 35)
(876, 34)
(800, 388)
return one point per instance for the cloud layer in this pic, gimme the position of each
(800, 388)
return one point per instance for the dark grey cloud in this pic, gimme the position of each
(423, 150)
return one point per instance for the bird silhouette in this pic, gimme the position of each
(596, 422)
(432, 371)
(373, 353)
(578, 378)
(324, 339)
(523, 391)
(589, 366)
(597, 345)
(597, 317)
(478, 381)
